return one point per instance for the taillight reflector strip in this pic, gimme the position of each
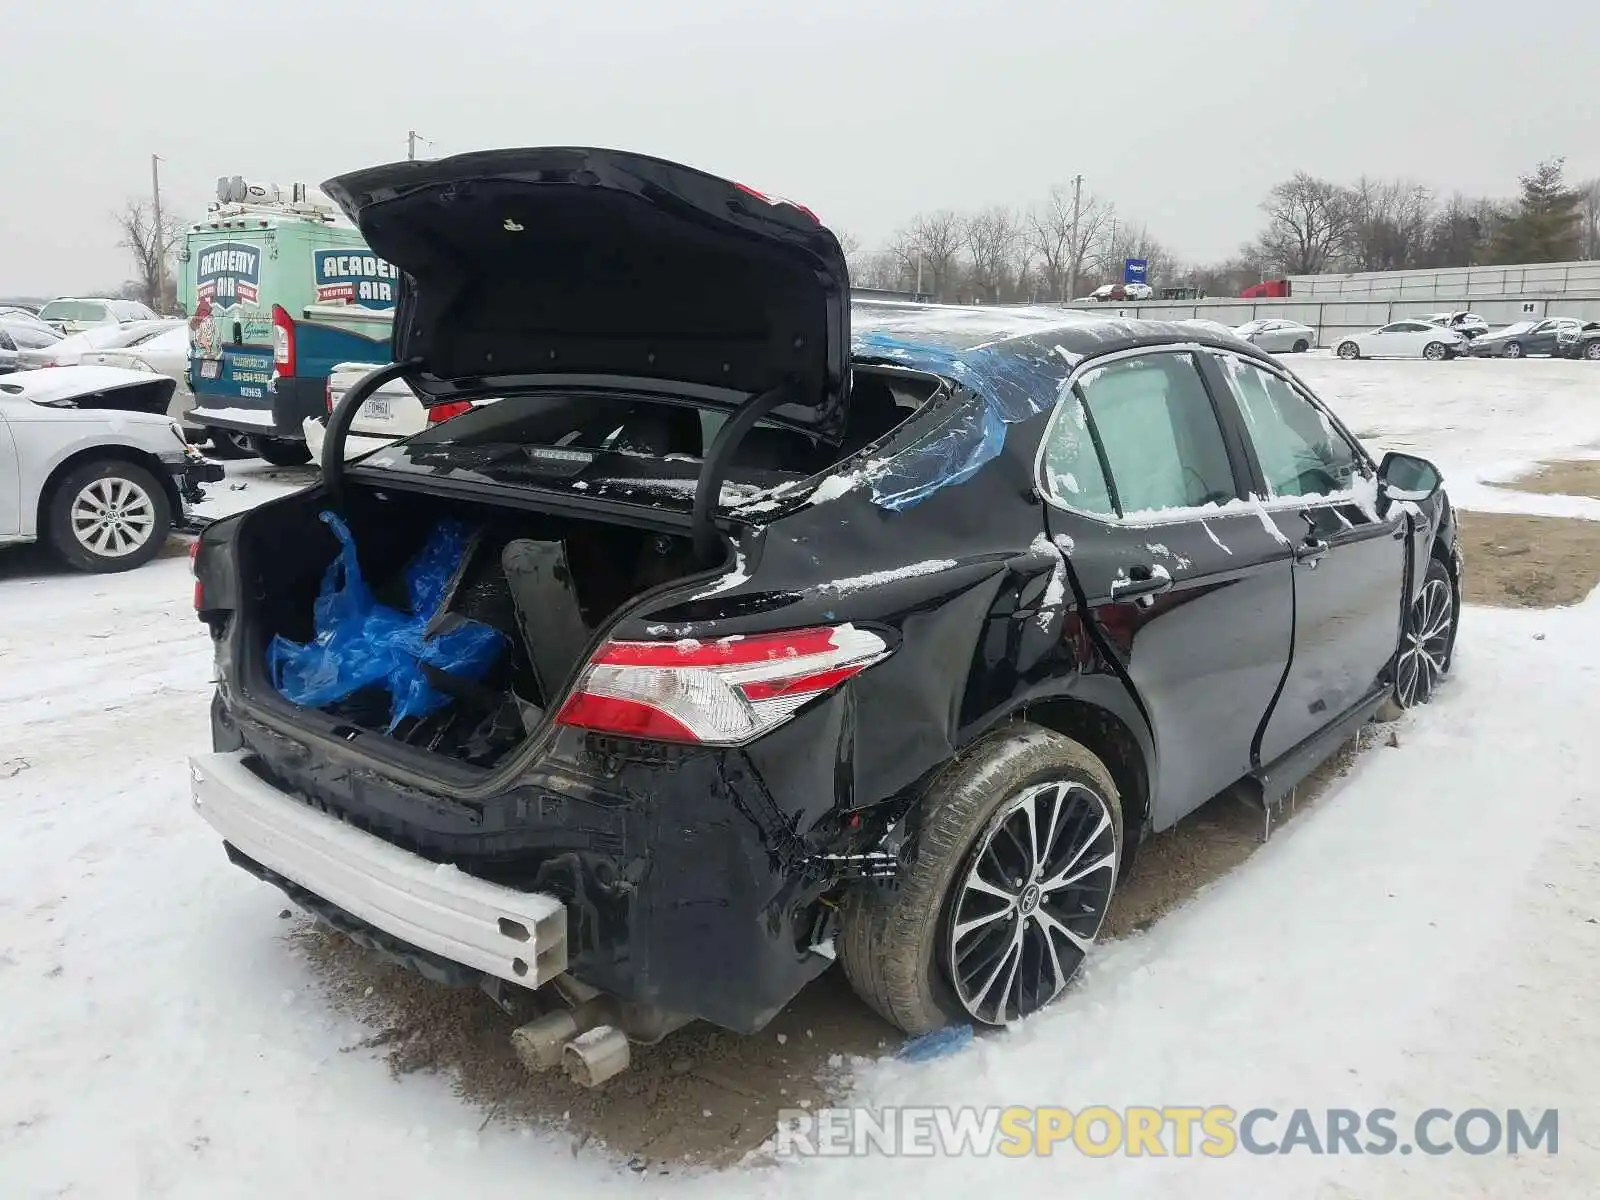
(443, 412)
(721, 693)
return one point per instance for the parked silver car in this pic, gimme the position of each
(1278, 337)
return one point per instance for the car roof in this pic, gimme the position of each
(1016, 358)
(1079, 333)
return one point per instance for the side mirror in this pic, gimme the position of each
(1407, 477)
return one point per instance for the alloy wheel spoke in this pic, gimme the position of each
(976, 923)
(1108, 861)
(1057, 880)
(1050, 925)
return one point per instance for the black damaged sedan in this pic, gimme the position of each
(875, 633)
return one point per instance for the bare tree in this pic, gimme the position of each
(152, 251)
(854, 255)
(991, 238)
(930, 248)
(1591, 218)
(1308, 225)
(1389, 224)
(1049, 234)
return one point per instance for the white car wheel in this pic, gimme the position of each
(1349, 350)
(1434, 352)
(110, 515)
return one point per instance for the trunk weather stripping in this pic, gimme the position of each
(344, 415)
(709, 486)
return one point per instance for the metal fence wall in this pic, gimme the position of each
(1517, 281)
(1333, 319)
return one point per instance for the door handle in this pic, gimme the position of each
(1143, 583)
(1310, 551)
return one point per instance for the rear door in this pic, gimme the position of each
(1350, 563)
(1193, 602)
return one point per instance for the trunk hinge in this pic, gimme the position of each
(708, 488)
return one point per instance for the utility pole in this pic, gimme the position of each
(158, 236)
(1072, 248)
(411, 144)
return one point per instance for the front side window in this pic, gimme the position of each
(1159, 434)
(1300, 450)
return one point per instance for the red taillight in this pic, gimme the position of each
(766, 199)
(443, 412)
(194, 568)
(282, 341)
(720, 693)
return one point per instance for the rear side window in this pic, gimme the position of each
(1072, 470)
(1300, 451)
(29, 338)
(1158, 431)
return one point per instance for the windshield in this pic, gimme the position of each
(72, 310)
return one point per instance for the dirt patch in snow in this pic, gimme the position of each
(1516, 561)
(1561, 478)
(706, 1097)
(702, 1096)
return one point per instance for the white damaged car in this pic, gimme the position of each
(91, 464)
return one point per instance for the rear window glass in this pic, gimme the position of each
(73, 310)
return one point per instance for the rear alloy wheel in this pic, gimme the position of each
(1015, 866)
(281, 453)
(1031, 902)
(109, 516)
(1428, 639)
(1513, 350)
(1301, 346)
(226, 443)
(1592, 351)
(1434, 352)
(1348, 351)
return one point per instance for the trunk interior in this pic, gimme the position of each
(546, 583)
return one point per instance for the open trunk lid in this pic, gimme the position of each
(524, 269)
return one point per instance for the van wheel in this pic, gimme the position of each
(1348, 351)
(282, 453)
(1015, 865)
(108, 516)
(225, 443)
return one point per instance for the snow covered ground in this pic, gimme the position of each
(1426, 936)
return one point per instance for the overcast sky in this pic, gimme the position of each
(1182, 112)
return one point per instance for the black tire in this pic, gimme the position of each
(898, 947)
(1513, 350)
(282, 453)
(103, 486)
(1348, 351)
(1435, 352)
(1301, 346)
(225, 443)
(1592, 352)
(1428, 640)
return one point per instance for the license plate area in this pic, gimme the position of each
(210, 368)
(377, 408)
